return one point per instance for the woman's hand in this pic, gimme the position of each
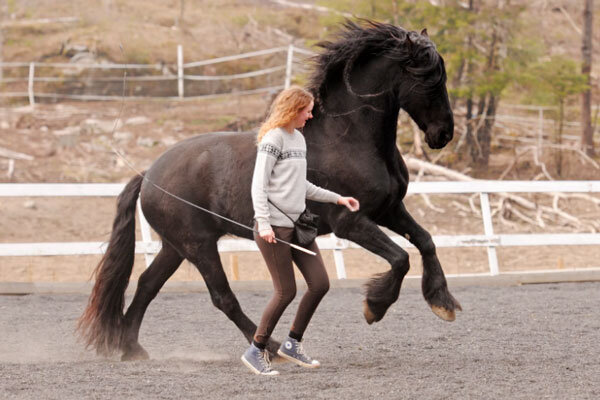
(350, 202)
(267, 235)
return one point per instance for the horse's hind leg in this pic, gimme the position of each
(433, 284)
(151, 281)
(209, 264)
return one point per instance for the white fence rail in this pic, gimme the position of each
(489, 239)
(178, 78)
(536, 125)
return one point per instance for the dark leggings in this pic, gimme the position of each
(278, 257)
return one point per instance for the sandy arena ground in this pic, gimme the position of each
(519, 342)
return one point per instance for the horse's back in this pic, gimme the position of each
(213, 171)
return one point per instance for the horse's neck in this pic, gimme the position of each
(367, 125)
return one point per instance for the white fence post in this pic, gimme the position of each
(338, 256)
(288, 67)
(146, 234)
(180, 71)
(30, 86)
(489, 231)
(148, 247)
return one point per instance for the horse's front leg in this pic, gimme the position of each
(383, 289)
(433, 284)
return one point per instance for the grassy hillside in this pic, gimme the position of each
(150, 30)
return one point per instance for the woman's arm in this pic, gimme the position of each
(316, 193)
(267, 155)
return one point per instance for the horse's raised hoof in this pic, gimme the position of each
(369, 316)
(444, 313)
(382, 291)
(437, 295)
(135, 353)
(373, 312)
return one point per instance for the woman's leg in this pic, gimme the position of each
(279, 262)
(313, 270)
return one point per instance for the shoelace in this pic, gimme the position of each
(265, 361)
(300, 349)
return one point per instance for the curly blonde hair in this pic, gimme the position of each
(285, 108)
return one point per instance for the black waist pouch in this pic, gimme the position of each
(305, 228)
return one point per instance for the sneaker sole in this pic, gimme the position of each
(296, 361)
(257, 372)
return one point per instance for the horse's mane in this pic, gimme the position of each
(419, 60)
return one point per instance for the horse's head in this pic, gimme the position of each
(422, 90)
(371, 65)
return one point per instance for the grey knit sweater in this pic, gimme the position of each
(280, 176)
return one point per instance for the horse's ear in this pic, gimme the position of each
(409, 43)
(424, 32)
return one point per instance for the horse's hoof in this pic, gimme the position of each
(369, 316)
(444, 313)
(135, 354)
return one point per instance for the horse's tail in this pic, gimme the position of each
(101, 324)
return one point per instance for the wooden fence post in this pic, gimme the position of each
(234, 264)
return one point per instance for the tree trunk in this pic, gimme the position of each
(1, 48)
(587, 133)
(395, 11)
(470, 135)
(487, 109)
(3, 10)
(471, 138)
(179, 19)
(456, 82)
(561, 117)
(485, 133)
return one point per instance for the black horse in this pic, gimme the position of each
(361, 82)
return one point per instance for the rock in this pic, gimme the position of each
(23, 110)
(30, 204)
(146, 142)
(4, 125)
(97, 127)
(169, 141)
(122, 136)
(68, 137)
(138, 120)
(83, 58)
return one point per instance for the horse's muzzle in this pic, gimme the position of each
(437, 137)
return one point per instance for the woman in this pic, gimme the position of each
(279, 192)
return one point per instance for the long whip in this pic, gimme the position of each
(312, 253)
(300, 248)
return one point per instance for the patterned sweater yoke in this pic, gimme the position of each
(280, 176)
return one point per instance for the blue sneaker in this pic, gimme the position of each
(257, 361)
(292, 350)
